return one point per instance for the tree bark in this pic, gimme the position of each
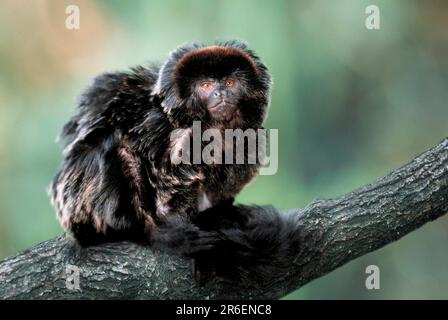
(336, 232)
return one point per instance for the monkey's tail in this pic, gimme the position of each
(257, 243)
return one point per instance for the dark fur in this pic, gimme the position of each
(117, 182)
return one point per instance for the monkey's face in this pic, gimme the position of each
(224, 85)
(220, 97)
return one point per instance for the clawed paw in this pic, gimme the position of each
(197, 241)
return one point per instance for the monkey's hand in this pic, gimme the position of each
(180, 237)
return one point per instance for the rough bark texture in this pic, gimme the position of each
(336, 231)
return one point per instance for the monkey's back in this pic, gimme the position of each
(92, 192)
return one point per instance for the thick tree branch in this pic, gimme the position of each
(336, 231)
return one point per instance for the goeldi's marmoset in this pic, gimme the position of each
(118, 180)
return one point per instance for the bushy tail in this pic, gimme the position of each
(256, 244)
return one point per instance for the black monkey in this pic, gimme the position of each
(117, 179)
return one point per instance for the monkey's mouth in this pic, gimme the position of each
(223, 111)
(220, 105)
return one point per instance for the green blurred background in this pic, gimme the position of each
(350, 105)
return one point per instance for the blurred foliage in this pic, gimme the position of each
(350, 104)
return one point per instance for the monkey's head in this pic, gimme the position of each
(224, 85)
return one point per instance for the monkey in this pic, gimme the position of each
(117, 180)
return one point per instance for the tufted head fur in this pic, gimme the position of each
(191, 62)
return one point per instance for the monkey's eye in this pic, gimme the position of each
(230, 83)
(206, 85)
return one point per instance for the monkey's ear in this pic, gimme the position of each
(165, 85)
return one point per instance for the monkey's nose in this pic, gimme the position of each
(216, 94)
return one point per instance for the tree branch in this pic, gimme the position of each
(336, 231)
